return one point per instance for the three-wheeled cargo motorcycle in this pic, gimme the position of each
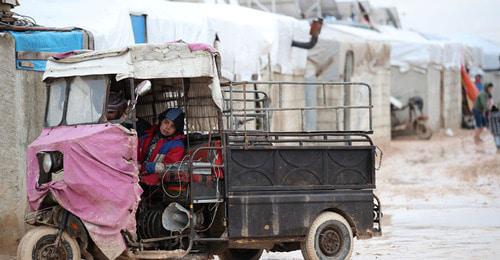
(241, 188)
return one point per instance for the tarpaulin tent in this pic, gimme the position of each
(337, 57)
(422, 67)
(246, 35)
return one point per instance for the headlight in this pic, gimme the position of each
(46, 162)
(49, 163)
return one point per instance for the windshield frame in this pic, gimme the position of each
(47, 102)
(69, 81)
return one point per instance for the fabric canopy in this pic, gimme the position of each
(144, 61)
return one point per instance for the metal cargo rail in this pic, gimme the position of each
(249, 101)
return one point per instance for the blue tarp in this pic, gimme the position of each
(139, 28)
(46, 41)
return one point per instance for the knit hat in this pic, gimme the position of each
(175, 115)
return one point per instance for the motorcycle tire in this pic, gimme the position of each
(37, 244)
(423, 131)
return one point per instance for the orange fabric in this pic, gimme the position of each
(470, 88)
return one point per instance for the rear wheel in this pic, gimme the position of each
(241, 254)
(39, 243)
(329, 237)
(423, 131)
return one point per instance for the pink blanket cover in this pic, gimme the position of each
(100, 183)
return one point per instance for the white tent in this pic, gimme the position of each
(427, 68)
(447, 17)
(484, 57)
(410, 50)
(246, 35)
(371, 65)
(490, 52)
(330, 60)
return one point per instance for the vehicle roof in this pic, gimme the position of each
(146, 61)
(141, 61)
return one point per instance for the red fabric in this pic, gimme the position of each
(151, 179)
(172, 179)
(202, 156)
(184, 177)
(173, 154)
(60, 56)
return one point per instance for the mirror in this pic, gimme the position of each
(143, 88)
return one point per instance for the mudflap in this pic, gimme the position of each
(377, 217)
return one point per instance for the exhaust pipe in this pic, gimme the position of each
(314, 32)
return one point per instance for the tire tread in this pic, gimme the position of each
(307, 247)
(29, 240)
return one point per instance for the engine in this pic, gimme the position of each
(149, 224)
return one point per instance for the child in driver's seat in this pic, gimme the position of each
(161, 144)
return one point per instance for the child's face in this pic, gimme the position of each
(167, 127)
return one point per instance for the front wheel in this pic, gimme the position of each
(329, 237)
(241, 254)
(38, 243)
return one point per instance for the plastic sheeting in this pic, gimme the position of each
(328, 56)
(410, 49)
(246, 35)
(489, 52)
(470, 55)
(100, 183)
(45, 41)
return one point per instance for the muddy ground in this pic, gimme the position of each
(441, 200)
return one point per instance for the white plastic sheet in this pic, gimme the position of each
(246, 35)
(410, 49)
(489, 52)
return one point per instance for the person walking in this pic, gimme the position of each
(478, 81)
(482, 106)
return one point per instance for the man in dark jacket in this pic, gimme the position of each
(116, 106)
(161, 145)
(482, 106)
